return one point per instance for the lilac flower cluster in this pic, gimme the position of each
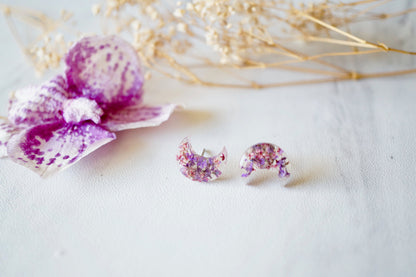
(52, 126)
(264, 156)
(197, 167)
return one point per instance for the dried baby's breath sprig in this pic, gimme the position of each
(236, 35)
(184, 39)
(47, 54)
(47, 45)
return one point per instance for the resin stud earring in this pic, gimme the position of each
(197, 167)
(265, 156)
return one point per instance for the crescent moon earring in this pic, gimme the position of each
(198, 167)
(265, 156)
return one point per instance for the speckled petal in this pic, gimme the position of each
(137, 117)
(105, 69)
(6, 131)
(48, 148)
(38, 105)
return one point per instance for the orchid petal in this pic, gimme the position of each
(105, 69)
(48, 148)
(38, 105)
(137, 117)
(6, 131)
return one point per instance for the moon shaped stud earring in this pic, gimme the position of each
(197, 167)
(265, 156)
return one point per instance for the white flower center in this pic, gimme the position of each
(82, 109)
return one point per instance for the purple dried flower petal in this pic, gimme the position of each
(6, 131)
(38, 105)
(51, 147)
(137, 117)
(106, 69)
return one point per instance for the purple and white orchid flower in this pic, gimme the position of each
(52, 126)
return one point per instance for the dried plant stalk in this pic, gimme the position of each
(235, 36)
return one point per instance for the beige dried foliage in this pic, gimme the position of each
(236, 35)
(49, 46)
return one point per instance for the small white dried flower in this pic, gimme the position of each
(6, 10)
(179, 13)
(135, 24)
(96, 9)
(182, 27)
(189, 6)
(147, 76)
(151, 12)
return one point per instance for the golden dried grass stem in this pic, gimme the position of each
(180, 68)
(309, 82)
(330, 27)
(340, 42)
(390, 15)
(300, 57)
(356, 3)
(387, 74)
(371, 7)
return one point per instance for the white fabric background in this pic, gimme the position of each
(125, 210)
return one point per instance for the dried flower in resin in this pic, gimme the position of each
(197, 167)
(52, 126)
(265, 156)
